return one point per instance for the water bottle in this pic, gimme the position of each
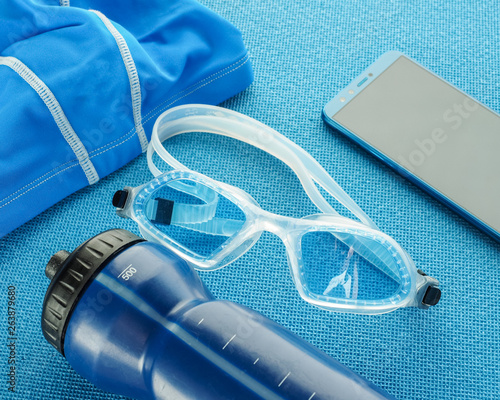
(135, 319)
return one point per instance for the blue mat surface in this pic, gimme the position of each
(303, 53)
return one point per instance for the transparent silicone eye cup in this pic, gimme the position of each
(337, 263)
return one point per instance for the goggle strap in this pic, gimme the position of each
(220, 121)
(194, 213)
(216, 226)
(166, 212)
(198, 217)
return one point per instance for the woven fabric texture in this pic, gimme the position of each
(303, 53)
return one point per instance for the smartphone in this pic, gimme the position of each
(428, 131)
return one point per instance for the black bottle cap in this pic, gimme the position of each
(70, 275)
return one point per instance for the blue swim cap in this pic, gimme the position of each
(81, 89)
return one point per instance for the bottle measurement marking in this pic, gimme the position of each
(229, 341)
(201, 320)
(119, 276)
(284, 379)
(127, 273)
(314, 394)
(256, 361)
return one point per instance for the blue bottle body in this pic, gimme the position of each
(147, 327)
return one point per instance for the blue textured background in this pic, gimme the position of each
(303, 53)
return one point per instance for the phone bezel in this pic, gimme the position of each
(335, 105)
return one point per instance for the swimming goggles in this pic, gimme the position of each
(336, 263)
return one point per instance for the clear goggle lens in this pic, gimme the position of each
(193, 215)
(347, 266)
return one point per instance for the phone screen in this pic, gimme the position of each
(435, 132)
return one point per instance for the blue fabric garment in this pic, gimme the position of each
(181, 52)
